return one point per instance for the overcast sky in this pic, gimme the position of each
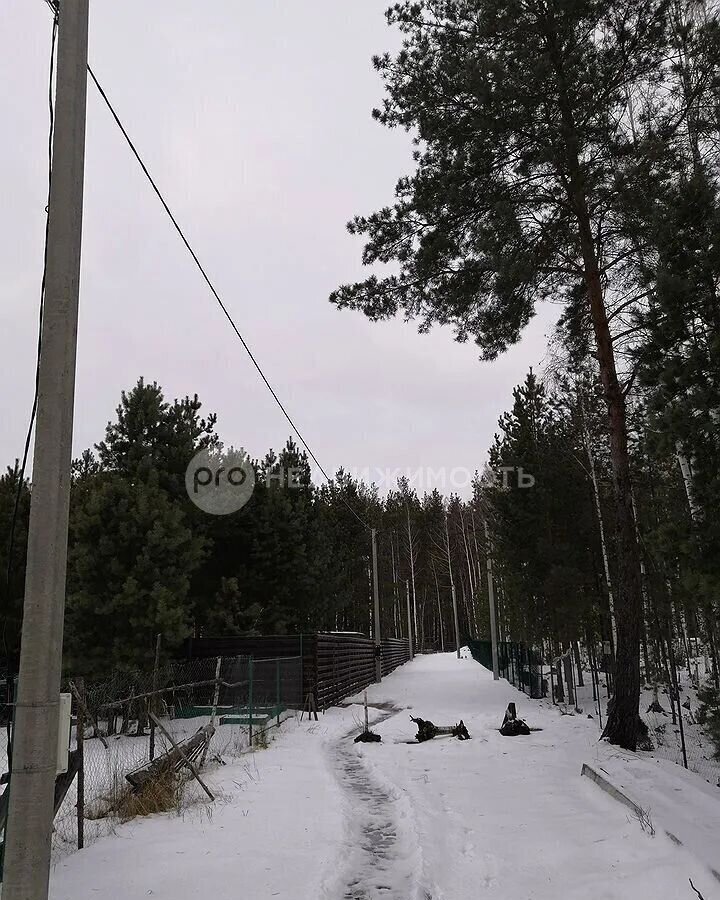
(254, 116)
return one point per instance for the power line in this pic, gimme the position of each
(209, 283)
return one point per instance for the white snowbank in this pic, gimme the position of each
(318, 816)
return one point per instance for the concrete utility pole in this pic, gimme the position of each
(491, 602)
(35, 735)
(409, 618)
(376, 627)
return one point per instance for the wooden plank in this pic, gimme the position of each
(196, 775)
(610, 788)
(172, 759)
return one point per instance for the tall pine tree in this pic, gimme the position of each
(515, 107)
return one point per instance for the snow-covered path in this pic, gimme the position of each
(511, 817)
(317, 816)
(379, 863)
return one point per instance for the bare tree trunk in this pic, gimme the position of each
(601, 526)
(478, 571)
(578, 663)
(559, 676)
(472, 620)
(439, 607)
(686, 471)
(397, 617)
(567, 666)
(466, 605)
(411, 553)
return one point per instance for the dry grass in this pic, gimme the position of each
(261, 740)
(645, 819)
(158, 796)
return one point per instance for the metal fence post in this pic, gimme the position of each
(277, 698)
(250, 700)
(302, 673)
(151, 701)
(80, 742)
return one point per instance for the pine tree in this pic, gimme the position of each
(544, 535)
(152, 435)
(129, 566)
(680, 371)
(515, 107)
(14, 505)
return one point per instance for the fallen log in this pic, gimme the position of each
(427, 730)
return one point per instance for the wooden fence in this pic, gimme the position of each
(335, 664)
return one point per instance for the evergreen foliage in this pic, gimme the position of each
(566, 151)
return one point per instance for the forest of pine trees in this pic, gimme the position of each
(144, 560)
(567, 152)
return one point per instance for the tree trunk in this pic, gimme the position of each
(686, 471)
(411, 553)
(439, 609)
(567, 665)
(601, 526)
(397, 617)
(623, 725)
(560, 691)
(472, 619)
(593, 667)
(646, 657)
(559, 683)
(578, 663)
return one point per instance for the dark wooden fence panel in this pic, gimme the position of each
(345, 665)
(395, 652)
(335, 665)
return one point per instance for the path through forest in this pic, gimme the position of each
(318, 816)
(496, 816)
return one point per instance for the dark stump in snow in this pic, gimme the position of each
(512, 726)
(367, 737)
(461, 732)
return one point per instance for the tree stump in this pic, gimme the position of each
(512, 726)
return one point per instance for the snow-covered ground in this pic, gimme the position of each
(699, 749)
(317, 816)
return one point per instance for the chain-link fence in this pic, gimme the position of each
(122, 723)
(673, 716)
(522, 666)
